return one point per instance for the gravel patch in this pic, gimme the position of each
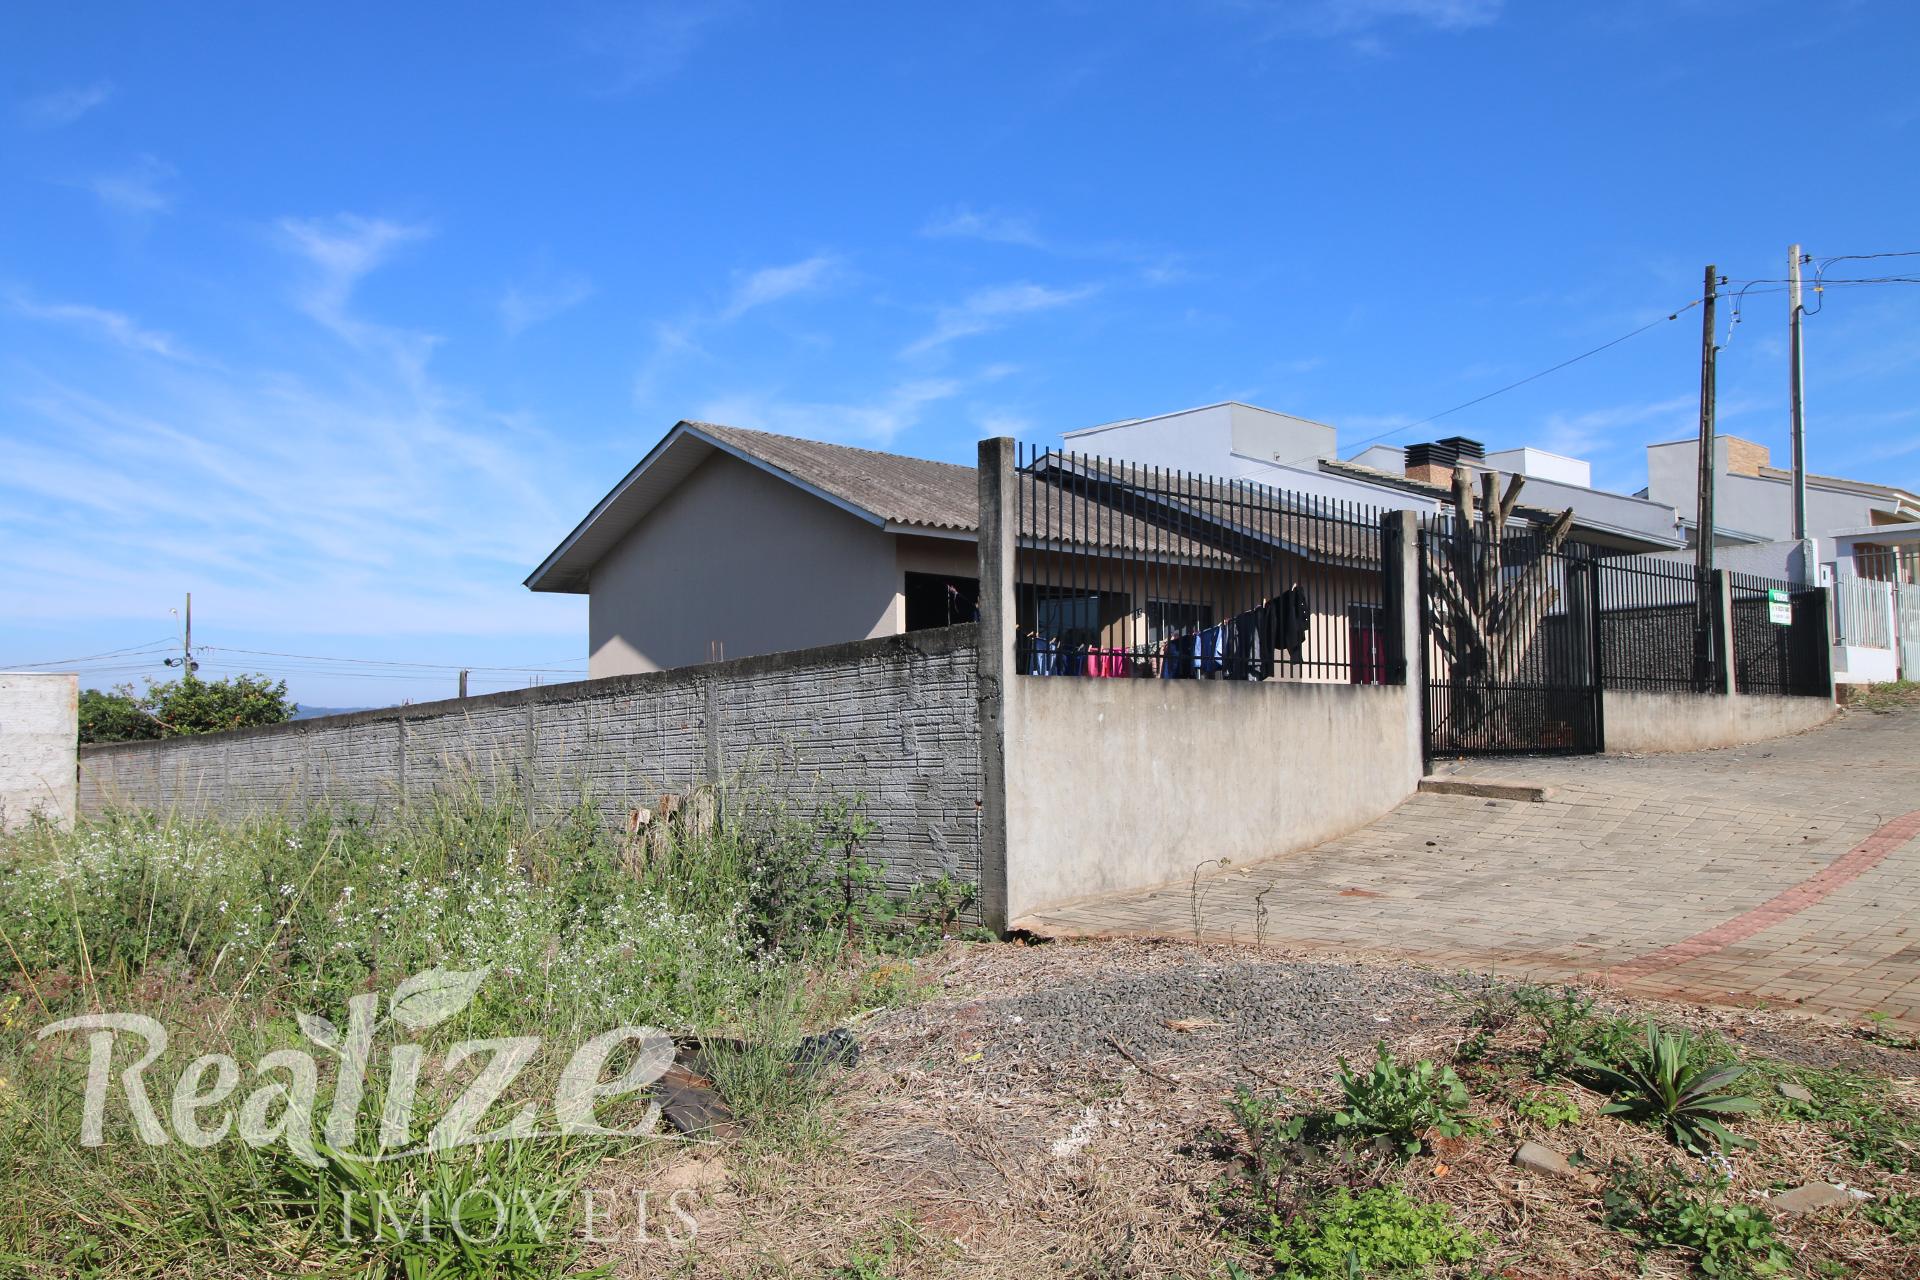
(1280, 1013)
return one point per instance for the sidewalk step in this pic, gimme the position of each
(1490, 788)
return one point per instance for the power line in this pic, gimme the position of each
(111, 653)
(1532, 377)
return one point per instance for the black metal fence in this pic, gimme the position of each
(1132, 571)
(1656, 626)
(1779, 637)
(1509, 630)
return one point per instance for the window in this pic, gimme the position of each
(1169, 618)
(940, 600)
(1366, 644)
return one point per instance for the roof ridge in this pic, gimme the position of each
(702, 425)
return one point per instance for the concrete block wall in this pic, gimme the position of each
(39, 725)
(892, 721)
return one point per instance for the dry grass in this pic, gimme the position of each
(949, 1160)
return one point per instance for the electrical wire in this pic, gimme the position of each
(1532, 377)
(129, 651)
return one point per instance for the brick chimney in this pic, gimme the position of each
(1433, 463)
(1745, 458)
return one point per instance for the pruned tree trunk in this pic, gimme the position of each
(1482, 612)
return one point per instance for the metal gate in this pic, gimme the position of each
(1510, 633)
(1907, 620)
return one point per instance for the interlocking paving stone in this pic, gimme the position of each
(1785, 872)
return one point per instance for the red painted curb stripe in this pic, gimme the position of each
(1849, 866)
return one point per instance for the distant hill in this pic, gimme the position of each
(312, 713)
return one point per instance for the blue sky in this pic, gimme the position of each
(340, 317)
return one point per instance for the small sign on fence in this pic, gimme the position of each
(1779, 608)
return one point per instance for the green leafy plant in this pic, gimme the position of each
(1401, 1103)
(1663, 1085)
(173, 708)
(1895, 1212)
(1548, 1108)
(1662, 1207)
(1570, 1030)
(1381, 1232)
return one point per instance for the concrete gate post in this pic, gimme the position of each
(999, 538)
(1400, 601)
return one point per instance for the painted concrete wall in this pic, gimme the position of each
(1759, 505)
(39, 733)
(1657, 722)
(738, 558)
(890, 720)
(1126, 784)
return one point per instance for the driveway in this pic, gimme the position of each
(1784, 873)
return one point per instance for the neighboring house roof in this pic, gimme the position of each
(1425, 488)
(890, 490)
(1864, 488)
(1101, 508)
(1231, 521)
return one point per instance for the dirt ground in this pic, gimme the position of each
(1059, 1110)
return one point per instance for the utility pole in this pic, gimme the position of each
(1703, 508)
(1797, 378)
(185, 661)
(1703, 655)
(463, 682)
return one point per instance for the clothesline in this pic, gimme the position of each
(1244, 647)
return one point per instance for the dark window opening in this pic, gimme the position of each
(940, 600)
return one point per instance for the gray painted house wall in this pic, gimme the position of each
(741, 558)
(1757, 505)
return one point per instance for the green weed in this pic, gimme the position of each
(1380, 1232)
(1661, 1207)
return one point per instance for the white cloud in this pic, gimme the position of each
(989, 309)
(983, 224)
(997, 422)
(876, 421)
(541, 298)
(63, 106)
(114, 326)
(1356, 18)
(647, 44)
(771, 284)
(1616, 427)
(139, 188)
(341, 251)
(286, 504)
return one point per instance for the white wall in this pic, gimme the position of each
(1116, 785)
(736, 556)
(1543, 465)
(39, 741)
(1643, 722)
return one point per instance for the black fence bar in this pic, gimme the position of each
(1655, 616)
(1131, 571)
(1777, 636)
(1511, 632)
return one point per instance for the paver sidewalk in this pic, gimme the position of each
(1787, 872)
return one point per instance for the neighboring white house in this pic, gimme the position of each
(1246, 442)
(1753, 500)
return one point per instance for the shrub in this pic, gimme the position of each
(1401, 1103)
(1379, 1232)
(1662, 1084)
(1662, 1207)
